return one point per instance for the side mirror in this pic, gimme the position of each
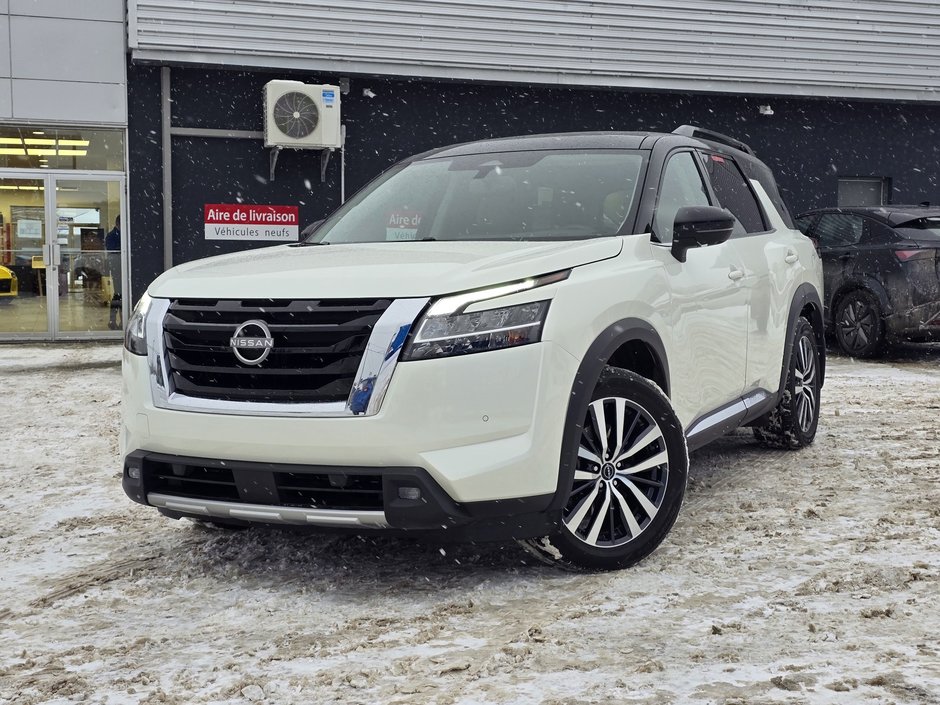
(700, 226)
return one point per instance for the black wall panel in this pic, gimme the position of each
(808, 143)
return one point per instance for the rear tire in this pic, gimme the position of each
(793, 423)
(630, 476)
(858, 327)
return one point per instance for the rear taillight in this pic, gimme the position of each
(908, 255)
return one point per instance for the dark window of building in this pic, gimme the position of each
(863, 191)
(839, 229)
(681, 186)
(734, 193)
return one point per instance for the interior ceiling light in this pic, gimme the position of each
(10, 140)
(30, 188)
(73, 143)
(8, 188)
(14, 152)
(41, 152)
(38, 132)
(42, 141)
(72, 152)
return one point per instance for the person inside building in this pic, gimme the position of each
(112, 244)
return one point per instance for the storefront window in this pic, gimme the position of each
(33, 147)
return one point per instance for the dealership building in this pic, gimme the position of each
(158, 114)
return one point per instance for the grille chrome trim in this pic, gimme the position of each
(369, 384)
(273, 514)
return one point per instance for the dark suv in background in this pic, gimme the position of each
(882, 274)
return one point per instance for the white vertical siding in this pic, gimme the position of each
(63, 61)
(851, 48)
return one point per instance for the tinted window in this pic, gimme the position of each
(839, 229)
(734, 193)
(922, 229)
(499, 196)
(681, 186)
(878, 233)
(803, 224)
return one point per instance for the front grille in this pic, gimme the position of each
(254, 483)
(329, 490)
(195, 481)
(318, 346)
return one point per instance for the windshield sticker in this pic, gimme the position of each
(402, 225)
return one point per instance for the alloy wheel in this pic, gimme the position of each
(621, 475)
(857, 325)
(805, 387)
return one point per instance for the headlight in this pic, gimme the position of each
(135, 336)
(465, 333)
(445, 329)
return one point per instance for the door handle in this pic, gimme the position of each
(735, 274)
(791, 257)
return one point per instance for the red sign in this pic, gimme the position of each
(226, 221)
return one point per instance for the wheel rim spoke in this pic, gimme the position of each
(649, 436)
(575, 521)
(586, 475)
(625, 512)
(648, 506)
(621, 407)
(600, 517)
(600, 425)
(655, 461)
(588, 455)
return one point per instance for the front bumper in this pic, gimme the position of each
(351, 499)
(481, 433)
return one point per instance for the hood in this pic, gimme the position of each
(375, 270)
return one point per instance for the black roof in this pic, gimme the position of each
(892, 215)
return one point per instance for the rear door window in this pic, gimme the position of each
(839, 229)
(734, 193)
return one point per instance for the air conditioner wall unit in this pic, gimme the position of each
(301, 115)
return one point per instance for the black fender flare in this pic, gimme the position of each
(589, 371)
(805, 294)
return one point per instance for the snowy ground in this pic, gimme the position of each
(810, 577)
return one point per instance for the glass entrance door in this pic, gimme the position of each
(90, 244)
(27, 279)
(61, 268)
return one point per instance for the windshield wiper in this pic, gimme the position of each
(306, 244)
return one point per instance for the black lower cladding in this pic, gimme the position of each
(430, 509)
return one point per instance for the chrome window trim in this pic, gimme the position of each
(365, 399)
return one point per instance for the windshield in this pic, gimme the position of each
(545, 195)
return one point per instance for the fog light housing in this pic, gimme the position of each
(409, 493)
(133, 473)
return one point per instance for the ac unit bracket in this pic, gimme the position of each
(324, 162)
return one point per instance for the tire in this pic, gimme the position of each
(793, 423)
(858, 326)
(617, 512)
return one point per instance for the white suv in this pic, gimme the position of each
(513, 338)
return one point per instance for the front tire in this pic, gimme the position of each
(629, 480)
(793, 423)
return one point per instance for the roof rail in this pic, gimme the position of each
(712, 136)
